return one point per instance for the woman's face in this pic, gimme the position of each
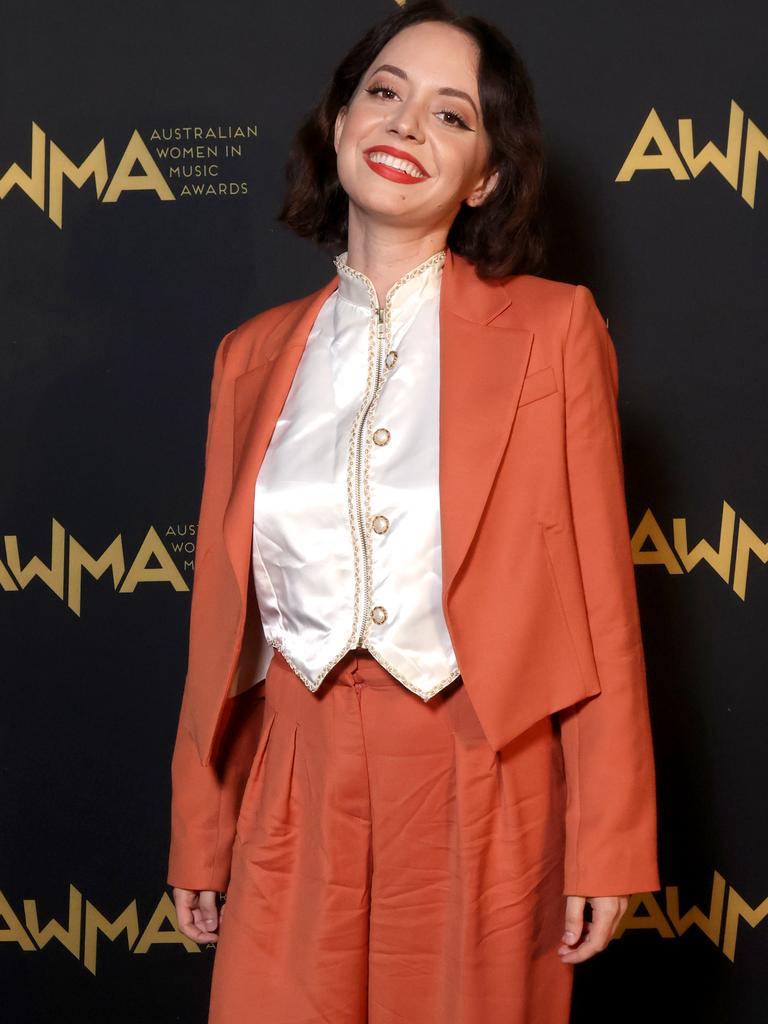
(420, 98)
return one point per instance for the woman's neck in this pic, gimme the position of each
(385, 259)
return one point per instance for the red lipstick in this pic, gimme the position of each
(392, 173)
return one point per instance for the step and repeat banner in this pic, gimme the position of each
(142, 158)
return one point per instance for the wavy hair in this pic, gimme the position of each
(503, 235)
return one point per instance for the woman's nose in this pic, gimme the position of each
(407, 123)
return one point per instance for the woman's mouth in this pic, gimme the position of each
(394, 168)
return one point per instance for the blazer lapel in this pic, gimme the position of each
(482, 368)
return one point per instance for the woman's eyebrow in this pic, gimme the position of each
(445, 91)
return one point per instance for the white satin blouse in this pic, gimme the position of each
(346, 524)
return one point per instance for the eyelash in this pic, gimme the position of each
(380, 87)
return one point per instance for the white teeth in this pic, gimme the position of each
(392, 161)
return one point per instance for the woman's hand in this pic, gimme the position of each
(197, 913)
(582, 939)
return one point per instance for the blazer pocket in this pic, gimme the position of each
(538, 384)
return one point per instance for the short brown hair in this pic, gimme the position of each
(500, 237)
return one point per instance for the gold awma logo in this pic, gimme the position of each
(85, 926)
(197, 155)
(730, 559)
(684, 163)
(60, 167)
(719, 922)
(64, 576)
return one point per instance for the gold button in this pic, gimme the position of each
(391, 359)
(379, 614)
(380, 524)
(381, 436)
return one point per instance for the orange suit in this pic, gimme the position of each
(538, 580)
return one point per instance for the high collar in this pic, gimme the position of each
(409, 291)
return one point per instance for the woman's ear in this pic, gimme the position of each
(478, 196)
(338, 127)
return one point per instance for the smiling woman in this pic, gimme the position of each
(470, 117)
(414, 744)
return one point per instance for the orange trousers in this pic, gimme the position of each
(389, 867)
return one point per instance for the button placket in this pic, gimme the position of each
(358, 469)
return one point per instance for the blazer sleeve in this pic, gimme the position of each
(611, 840)
(205, 801)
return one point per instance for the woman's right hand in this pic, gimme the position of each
(198, 914)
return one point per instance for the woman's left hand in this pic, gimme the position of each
(582, 939)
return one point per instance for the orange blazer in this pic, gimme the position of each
(538, 578)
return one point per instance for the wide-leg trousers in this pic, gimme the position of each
(389, 866)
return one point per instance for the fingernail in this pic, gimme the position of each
(568, 937)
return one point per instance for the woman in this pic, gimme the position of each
(414, 742)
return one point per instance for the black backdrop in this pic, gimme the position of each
(111, 304)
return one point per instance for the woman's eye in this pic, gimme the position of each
(459, 119)
(379, 90)
(375, 90)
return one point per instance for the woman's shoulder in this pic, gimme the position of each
(252, 333)
(543, 301)
(548, 308)
(266, 319)
(539, 291)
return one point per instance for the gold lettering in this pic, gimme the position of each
(661, 553)
(95, 164)
(140, 572)
(79, 559)
(53, 575)
(726, 163)
(14, 930)
(653, 919)
(709, 924)
(150, 181)
(96, 923)
(69, 937)
(720, 560)
(757, 146)
(639, 159)
(738, 908)
(747, 541)
(32, 185)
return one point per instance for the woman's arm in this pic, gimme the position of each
(205, 800)
(606, 739)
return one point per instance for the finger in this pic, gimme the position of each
(620, 912)
(185, 901)
(191, 924)
(603, 920)
(184, 917)
(596, 937)
(199, 933)
(574, 920)
(209, 913)
(583, 951)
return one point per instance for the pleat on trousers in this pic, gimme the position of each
(389, 866)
